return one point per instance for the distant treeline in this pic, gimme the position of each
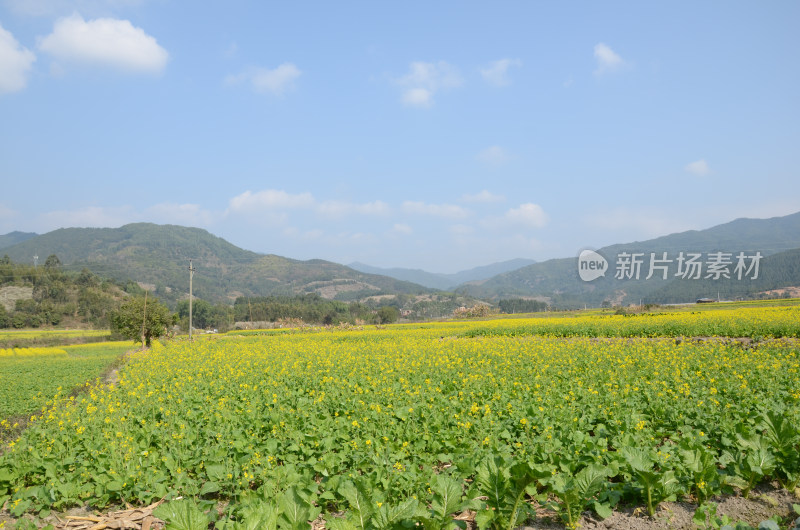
(310, 308)
(520, 305)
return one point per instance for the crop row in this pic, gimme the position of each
(31, 378)
(753, 322)
(394, 417)
(31, 352)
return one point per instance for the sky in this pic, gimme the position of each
(434, 135)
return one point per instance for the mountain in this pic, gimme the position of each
(157, 256)
(445, 281)
(15, 237)
(557, 281)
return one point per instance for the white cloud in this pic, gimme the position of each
(449, 211)
(461, 230)
(424, 80)
(484, 196)
(249, 202)
(493, 155)
(263, 80)
(698, 167)
(15, 63)
(88, 217)
(607, 59)
(107, 42)
(528, 215)
(401, 228)
(418, 97)
(635, 223)
(497, 72)
(312, 235)
(341, 208)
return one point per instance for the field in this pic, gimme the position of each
(409, 424)
(29, 377)
(51, 337)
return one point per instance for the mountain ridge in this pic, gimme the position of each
(444, 281)
(557, 280)
(158, 256)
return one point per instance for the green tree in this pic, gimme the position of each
(388, 314)
(201, 313)
(52, 262)
(5, 319)
(141, 319)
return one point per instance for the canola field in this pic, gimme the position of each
(409, 424)
(29, 377)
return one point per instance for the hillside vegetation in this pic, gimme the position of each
(32, 297)
(157, 256)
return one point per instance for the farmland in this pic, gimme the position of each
(52, 337)
(384, 427)
(32, 376)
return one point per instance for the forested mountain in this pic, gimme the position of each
(557, 281)
(6, 240)
(157, 256)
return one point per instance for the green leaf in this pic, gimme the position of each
(769, 524)
(209, 487)
(637, 458)
(216, 472)
(590, 480)
(494, 482)
(484, 518)
(446, 496)
(20, 508)
(6, 475)
(360, 501)
(263, 515)
(391, 516)
(296, 511)
(337, 523)
(182, 515)
(603, 510)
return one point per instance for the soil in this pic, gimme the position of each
(764, 502)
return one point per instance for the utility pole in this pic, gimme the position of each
(144, 317)
(35, 261)
(191, 274)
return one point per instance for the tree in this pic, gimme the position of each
(52, 262)
(388, 314)
(5, 319)
(201, 313)
(141, 319)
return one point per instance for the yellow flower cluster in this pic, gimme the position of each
(31, 352)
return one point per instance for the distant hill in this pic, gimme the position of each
(157, 256)
(15, 237)
(445, 281)
(557, 281)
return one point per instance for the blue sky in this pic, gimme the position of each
(436, 135)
